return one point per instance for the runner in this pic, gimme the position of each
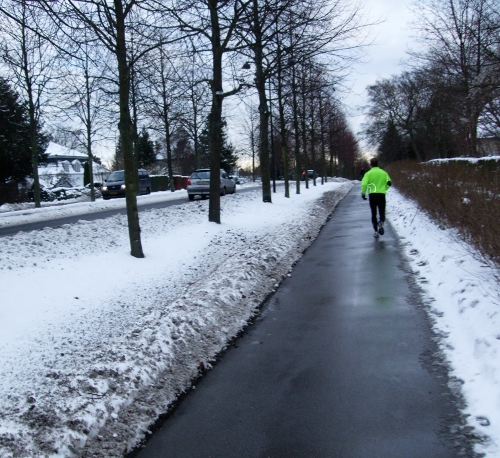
(377, 182)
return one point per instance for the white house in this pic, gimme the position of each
(65, 167)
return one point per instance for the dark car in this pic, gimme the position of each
(114, 186)
(45, 195)
(199, 184)
(310, 175)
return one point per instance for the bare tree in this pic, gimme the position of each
(490, 118)
(251, 131)
(82, 100)
(161, 97)
(280, 95)
(114, 24)
(259, 32)
(211, 24)
(332, 34)
(342, 144)
(30, 57)
(396, 101)
(192, 78)
(454, 33)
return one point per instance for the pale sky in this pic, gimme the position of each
(391, 40)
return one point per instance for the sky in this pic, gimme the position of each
(392, 37)
(86, 347)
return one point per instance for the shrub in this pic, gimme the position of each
(462, 193)
(52, 194)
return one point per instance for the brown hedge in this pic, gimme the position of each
(458, 193)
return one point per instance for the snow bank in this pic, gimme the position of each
(472, 160)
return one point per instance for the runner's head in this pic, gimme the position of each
(374, 162)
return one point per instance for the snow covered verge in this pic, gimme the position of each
(463, 302)
(95, 344)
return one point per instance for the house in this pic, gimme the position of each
(65, 168)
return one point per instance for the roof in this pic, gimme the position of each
(55, 151)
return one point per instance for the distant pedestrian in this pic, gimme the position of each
(377, 182)
(362, 173)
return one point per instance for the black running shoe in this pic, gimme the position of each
(381, 228)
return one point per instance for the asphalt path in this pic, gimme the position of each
(99, 214)
(341, 363)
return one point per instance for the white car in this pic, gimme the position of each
(199, 184)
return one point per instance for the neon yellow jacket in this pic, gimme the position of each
(375, 180)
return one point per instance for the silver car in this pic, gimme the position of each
(199, 184)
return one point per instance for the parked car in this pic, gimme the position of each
(114, 186)
(238, 180)
(310, 175)
(45, 195)
(199, 184)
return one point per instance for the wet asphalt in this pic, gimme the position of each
(341, 363)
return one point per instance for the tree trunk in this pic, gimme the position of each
(304, 131)
(89, 134)
(31, 110)
(134, 117)
(313, 134)
(260, 83)
(34, 154)
(126, 132)
(298, 166)
(323, 149)
(166, 123)
(331, 148)
(252, 141)
(195, 140)
(215, 116)
(168, 144)
(281, 108)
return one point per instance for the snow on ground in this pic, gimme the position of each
(95, 344)
(463, 298)
(473, 160)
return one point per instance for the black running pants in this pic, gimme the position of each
(377, 200)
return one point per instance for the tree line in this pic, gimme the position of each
(168, 66)
(447, 103)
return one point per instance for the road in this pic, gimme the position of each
(98, 214)
(341, 363)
